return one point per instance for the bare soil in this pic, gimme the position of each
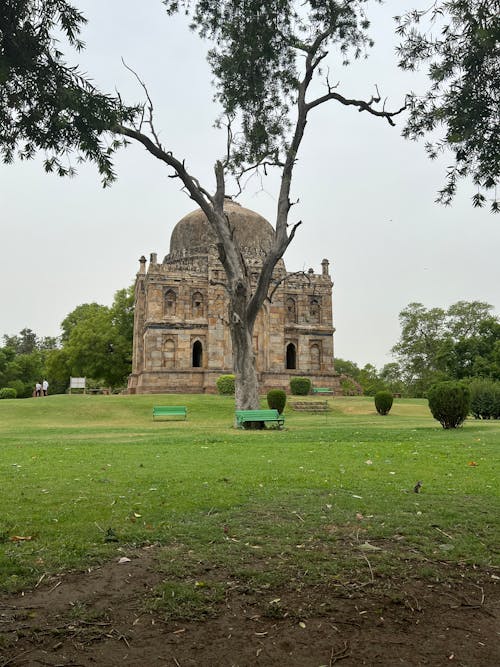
(100, 617)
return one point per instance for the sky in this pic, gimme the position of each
(365, 195)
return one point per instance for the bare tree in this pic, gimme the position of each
(275, 145)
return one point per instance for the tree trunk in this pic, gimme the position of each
(241, 327)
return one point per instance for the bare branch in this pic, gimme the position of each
(197, 193)
(361, 104)
(150, 106)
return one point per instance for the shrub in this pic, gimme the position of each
(383, 402)
(300, 386)
(449, 403)
(225, 385)
(276, 399)
(485, 399)
(23, 389)
(8, 392)
(349, 386)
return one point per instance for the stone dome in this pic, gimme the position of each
(193, 235)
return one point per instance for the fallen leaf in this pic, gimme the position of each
(302, 624)
(123, 559)
(369, 462)
(359, 516)
(472, 464)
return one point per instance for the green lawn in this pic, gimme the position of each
(265, 504)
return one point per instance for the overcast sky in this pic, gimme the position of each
(366, 195)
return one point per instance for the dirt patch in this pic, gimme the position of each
(100, 617)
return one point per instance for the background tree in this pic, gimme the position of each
(23, 343)
(391, 376)
(81, 313)
(422, 332)
(368, 378)
(97, 341)
(22, 363)
(437, 345)
(459, 40)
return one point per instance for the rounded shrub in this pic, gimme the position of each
(276, 399)
(449, 403)
(485, 399)
(225, 385)
(383, 402)
(300, 386)
(8, 392)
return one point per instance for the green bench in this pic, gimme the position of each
(169, 411)
(322, 390)
(244, 416)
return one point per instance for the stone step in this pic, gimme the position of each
(310, 406)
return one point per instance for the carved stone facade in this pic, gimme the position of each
(181, 340)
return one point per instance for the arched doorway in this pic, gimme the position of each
(197, 354)
(291, 356)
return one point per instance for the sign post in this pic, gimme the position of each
(76, 383)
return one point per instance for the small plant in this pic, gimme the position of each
(383, 402)
(187, 600)
(449, 403)
(225, 385)
(300, 386)
(276, 399)
(8, 392)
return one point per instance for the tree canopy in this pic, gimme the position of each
(459, 40)
(259, 49)
(45, 103)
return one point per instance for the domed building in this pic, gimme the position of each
(181, 339)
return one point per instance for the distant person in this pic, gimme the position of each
(38, 389)
(45, 387)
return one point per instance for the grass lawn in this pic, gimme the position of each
(329, 496)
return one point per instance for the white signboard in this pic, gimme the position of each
(77, 383)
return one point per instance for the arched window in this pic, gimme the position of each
(197, 354)
(169, 354)
(170, 302)
(291, 356)
(291, 310)
(315, 357)
(197, 305)
(314, 311)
